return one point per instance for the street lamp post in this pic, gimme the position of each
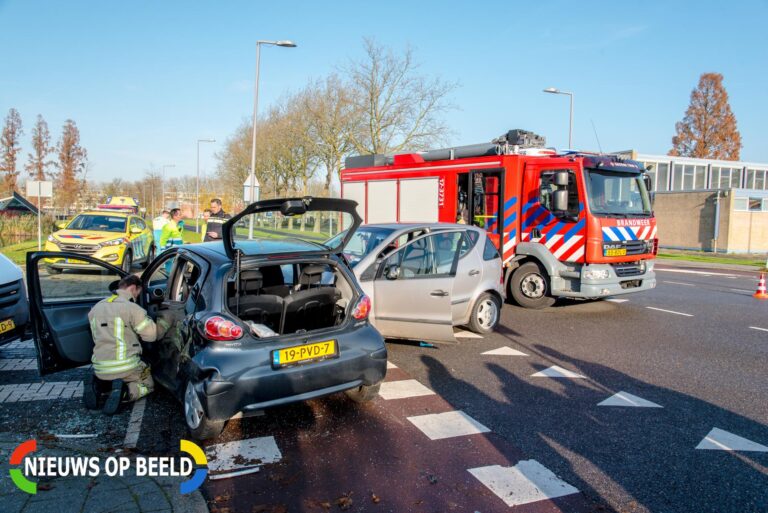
(553, 90)
(197, 182)
(285, 44)
(162, 183)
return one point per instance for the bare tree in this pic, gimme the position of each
(708, 129)
(9, 149)
(38, 163)
(396, 108)
(330, 118)
(72, 159)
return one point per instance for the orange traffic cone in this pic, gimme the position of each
(761, 294)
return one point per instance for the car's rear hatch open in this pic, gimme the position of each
(292, 227)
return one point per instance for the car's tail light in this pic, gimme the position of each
(219, 328)
(362, 308)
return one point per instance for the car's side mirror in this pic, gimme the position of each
(561, 179)
(393, 272)
(61, 224)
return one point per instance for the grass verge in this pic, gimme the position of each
(713, 259)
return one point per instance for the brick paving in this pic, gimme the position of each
(41, 391)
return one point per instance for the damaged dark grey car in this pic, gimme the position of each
(270, 316)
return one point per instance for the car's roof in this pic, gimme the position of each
(411, 226)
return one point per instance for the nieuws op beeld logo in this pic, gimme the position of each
(192, 463)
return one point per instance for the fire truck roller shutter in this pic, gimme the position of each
(356, 192)
(418, 200)
(382, 201)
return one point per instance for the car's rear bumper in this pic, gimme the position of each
(242, 380)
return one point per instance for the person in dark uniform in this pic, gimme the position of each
(215, 221)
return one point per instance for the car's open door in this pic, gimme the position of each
(414, 286)
(59, 302)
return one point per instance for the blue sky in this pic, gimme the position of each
(145, 80)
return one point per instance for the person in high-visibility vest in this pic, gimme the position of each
(157, 228)
(118, 325)
(171, 234)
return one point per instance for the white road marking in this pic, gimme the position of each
(627, 399)
(18, 364)
(668, 311)
(66, 437)
(40, 391)
(721, 440)
(447, 425)
(759, 329)
(679, 283)
(615, 300)
(391, 365)
(236, 473)
(403, 389)
(134, 424)
(557, 372)
(466, 334)
(743, 290)
(505, 351)
(528, 481)
(688, 271)
(242, 454)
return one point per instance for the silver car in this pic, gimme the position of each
(424, 279)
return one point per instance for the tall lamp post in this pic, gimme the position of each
(285, 44)
(162, 183)
(197, 182)
(553, 90)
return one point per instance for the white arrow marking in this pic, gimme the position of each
(627, 399)
(505, 351)
(721, 440)
(556, 372)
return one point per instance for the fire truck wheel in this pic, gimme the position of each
(485, 314)
(530, 287)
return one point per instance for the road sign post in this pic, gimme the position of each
(41, 189)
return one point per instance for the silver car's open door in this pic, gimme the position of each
(413, 288)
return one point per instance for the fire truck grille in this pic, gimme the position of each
(83, 249)
(623, 270)
(635, 247)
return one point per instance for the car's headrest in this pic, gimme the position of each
(251, 280)
(312, 274)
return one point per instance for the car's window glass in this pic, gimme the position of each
(288, 273)
(363, 241)
(58, 284)
(547, 190)
(159, 277)
(468, 242)
(184, 279)
(98, 222)
(490, 252)
(141, 224)
(433, 255)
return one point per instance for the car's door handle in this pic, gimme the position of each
(474, 272)
(438, 293)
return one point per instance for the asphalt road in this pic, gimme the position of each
(694, 346)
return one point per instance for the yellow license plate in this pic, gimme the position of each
(304, 353)
(7, 325)
(616, 252)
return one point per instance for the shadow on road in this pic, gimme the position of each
(647, 454)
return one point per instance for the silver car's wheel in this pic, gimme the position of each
(485, 313)
(193, 410)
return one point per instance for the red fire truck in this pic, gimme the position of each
(570, 224)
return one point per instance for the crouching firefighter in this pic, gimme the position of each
(118, 325)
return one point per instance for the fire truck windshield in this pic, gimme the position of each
(617, 194)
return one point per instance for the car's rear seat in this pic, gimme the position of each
(254, 305)
(312, 306)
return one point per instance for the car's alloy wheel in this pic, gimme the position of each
(485, 313)
(193, 409)
(198, 423)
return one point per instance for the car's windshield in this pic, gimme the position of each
(619, 194)
(98, 223)
(363, 241)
